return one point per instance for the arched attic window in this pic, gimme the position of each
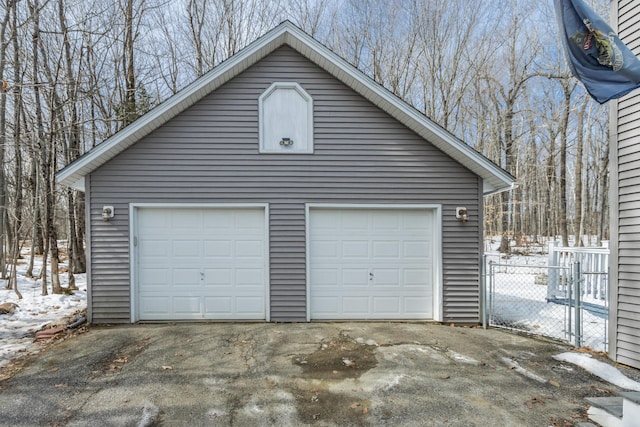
(286, 119)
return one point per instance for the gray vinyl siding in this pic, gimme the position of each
(209, 154)
(625, 205)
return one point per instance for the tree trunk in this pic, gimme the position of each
(562, 190)
(49, 184)
(17, 136)
(509, 156)
(35, 206)
(44, 151)
(3, 139)
(578, 189)
(604, 190)
(80, 254)
(72, 152)
(128, 55)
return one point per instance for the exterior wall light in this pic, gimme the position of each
(107, 213)
(461, 214)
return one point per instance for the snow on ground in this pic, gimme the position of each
(603, 370)
(35, 311)
(518, 298)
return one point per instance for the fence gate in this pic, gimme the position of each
(554, 301)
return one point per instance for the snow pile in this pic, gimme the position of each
(600, 369)
(34, 310)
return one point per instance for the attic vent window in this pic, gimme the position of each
(286, 119)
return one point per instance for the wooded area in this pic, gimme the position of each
(491, 72)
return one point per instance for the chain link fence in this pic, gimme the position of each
(553, 301)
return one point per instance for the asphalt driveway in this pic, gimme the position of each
(325, 374)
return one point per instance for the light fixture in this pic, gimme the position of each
(461, 214)
(107, 213)
(286, 142)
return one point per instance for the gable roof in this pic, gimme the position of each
(495, 179)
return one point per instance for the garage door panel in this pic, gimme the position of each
(188, 220)
(151, 248)
(417, 250)
(249, 308)
(155, 305)
(218, 276)
(156, 222)
(325, 251)
(249, 220)
(355, 249)
(217, 220)
(354, 277)
(384, 266)
(185, 277)
(323, 224)
(324, 276)
(350, 221)
(249, 277)
(386, 249)
(417, 277)
(356, 304)
(248, 305)
(386, 305)
(249, 249)
(185, 248)
(186, 305)
(385, 222)
(385, 277)
(219, 306)
(201, 263)
(217, 248)
(327, 305)
(416, 304)
(157, 277)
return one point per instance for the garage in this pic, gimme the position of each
(373, 263)
(361, 200)
(200, 263)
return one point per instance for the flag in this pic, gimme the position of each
(595, 53)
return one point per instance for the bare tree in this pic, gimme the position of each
(71, 134)
(579, 189)
(4, 44)
(507, 80)
(568, 87)
(312, 17)
(130, 113)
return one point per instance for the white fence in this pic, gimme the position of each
(594, 267)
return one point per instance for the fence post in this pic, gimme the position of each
(553, 274)
(577, 279)
(483, 292)
(569, 305)
(490, 293)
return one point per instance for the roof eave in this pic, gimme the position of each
(495, 179)
(490, 188)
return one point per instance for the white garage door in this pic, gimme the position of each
(201, 263)
(371, 263)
